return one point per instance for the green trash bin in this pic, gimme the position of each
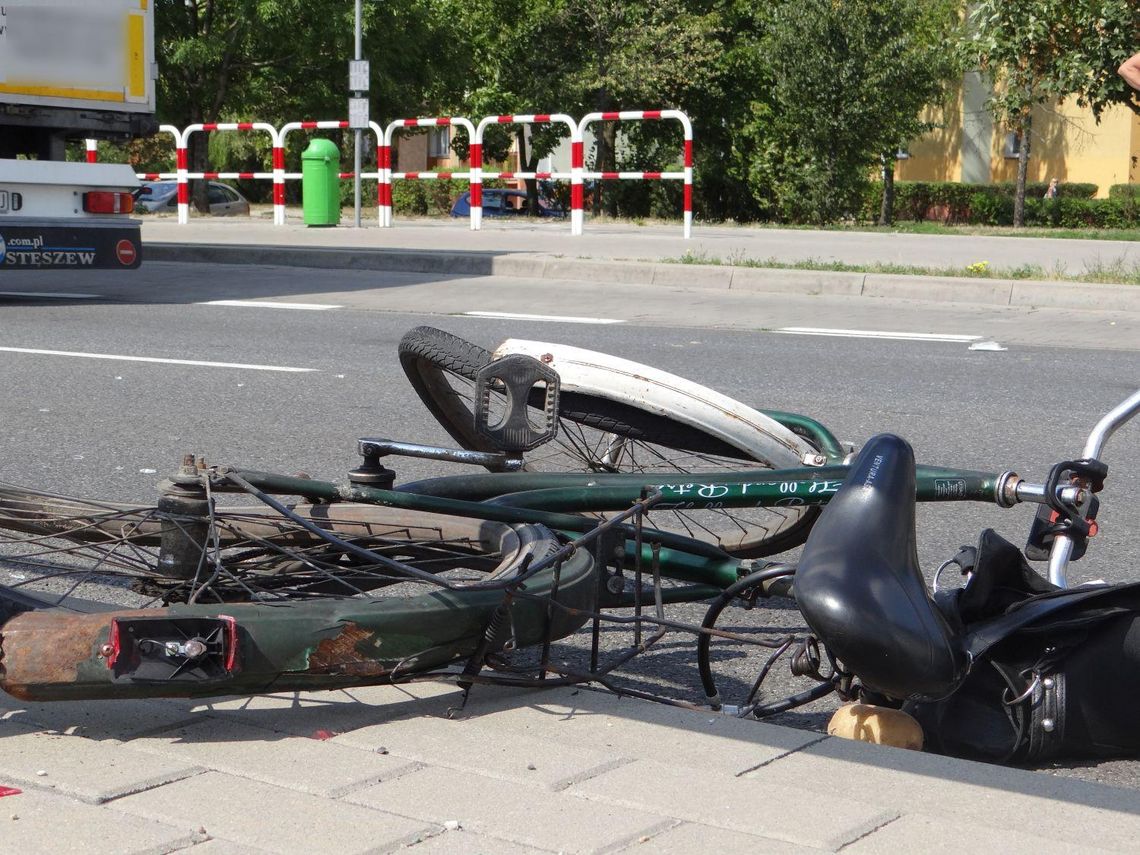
(320, 183)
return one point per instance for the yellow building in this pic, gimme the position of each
(1066, 143)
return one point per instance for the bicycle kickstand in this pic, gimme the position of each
(492, 639)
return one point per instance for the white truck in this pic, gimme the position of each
(71, 70)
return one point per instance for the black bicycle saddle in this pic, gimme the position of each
(859, 587)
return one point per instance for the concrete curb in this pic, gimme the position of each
(937, 289)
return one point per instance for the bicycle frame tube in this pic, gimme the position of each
(934, 484)
(554, 495)
(325, 491)
(807, 426)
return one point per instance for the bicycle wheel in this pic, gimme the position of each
(599, 434)
(89, 609)
(81, 548)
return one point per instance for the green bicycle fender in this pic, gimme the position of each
(55, 654)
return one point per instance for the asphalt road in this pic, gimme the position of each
(99, 426)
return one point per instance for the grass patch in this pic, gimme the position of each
(932, 228)
(1119, 271)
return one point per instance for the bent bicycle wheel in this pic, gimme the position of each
(600, 434)
(90, 609)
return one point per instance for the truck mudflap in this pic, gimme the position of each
(79, 244)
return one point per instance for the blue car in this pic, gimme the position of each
(504, 203)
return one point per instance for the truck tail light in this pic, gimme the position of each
(108, 202)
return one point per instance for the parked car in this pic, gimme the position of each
(162, 197)
(504, 203)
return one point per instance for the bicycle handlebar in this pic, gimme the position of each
(1063, 544)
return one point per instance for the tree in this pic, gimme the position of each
(921, 64)
(578, 56)
(224, 56)
(847, 82)
(509, 69)
(281, 60)
(641, 53)
(1043, 51)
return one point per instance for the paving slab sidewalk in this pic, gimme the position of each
(408, 768)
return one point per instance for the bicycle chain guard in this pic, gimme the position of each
(528, 387)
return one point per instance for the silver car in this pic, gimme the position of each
(162, 197)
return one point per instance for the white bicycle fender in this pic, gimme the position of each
(668, 395)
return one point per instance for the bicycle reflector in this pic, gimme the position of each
(108, 202)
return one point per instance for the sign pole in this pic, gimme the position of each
(359, 135)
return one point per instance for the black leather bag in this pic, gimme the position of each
(1064, 686)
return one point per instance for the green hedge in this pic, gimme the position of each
(1082, 213)
(992, 204)
(1124, 191)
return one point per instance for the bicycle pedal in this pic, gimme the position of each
(529, 392)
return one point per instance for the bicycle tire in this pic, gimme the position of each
(441, 368)
(428, 355)
(66, 644)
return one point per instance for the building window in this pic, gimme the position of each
(1012, 145)
(439, 142)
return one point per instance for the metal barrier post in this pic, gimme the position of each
(529, 119)
(184, 175)
(686, 175)
(384, 154)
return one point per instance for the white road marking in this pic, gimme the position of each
(38, 352)
(265, 304)
(49, 295)
(894, 336)
(566, 319)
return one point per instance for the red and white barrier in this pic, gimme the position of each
(182, 160)
(475, 174)
(92, 151)
(575, 175)
(651, 115)
(384, 162)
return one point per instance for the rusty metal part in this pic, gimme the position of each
(185, 530)
(52, 647)
(54, 654)
(1005, 491)
(342, 654)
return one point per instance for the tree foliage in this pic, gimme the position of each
(795, 103)
(848, 80)
(283, 60)
(1042, 51)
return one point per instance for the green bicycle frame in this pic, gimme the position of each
(557, 500)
